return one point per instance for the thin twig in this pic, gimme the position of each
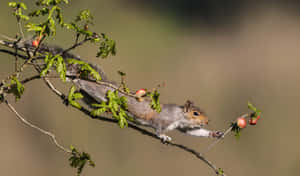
(75, 45)
(16, 60)
(48, 83)
(37, 128)
(24, 81)
(20, 28)
(19, 70)
(7, 38)
(16, 54)
(13, 53)
(114, 87)
(217, 141)
(222, 137)
(77, 37)
(30, 79)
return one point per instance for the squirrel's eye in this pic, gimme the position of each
(195, 113)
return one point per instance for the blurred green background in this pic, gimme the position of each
(218, 54)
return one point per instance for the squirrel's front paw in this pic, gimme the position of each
(217, 134)
(164, 138)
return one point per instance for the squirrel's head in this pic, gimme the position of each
(194, 114)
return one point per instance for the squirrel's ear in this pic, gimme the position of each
(187, 106)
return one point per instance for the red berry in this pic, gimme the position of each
(241, 122)
(253, 121)
(140, 92)
(35, 43)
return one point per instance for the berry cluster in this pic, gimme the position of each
(242, 122)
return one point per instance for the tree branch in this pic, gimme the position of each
(23, 120)
(13, 53)
(75, 45)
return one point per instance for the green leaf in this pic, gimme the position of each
(1, 98)
(251, 107)
(73, 96)
(12, 4)
(95, 40)
(59, 16)
(78, 160)
(54, 13)
(103, 104)
(16, 88)
(220, 171)
(107, 46)
(123, 102)
(57, 61)
(256, 112)
(122, 122)
(49, 60)
(36, 13)
(236, 129)
(34, 27)
(24, 17)
(116, 105)
(121, 73)
(23, 6)
(75, 104)
(52, 26)
(99, 111)
(155, 101)
(71, 93)
(17, 7)
(77, 96)
(51, 12)
(61, 68)
(50, 2)
(86, 67)
(85, 15)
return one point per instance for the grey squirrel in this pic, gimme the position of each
(186, 118)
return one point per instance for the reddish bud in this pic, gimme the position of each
(241, 122)
(140, 92)
(253, 121)
(35, 43)
(86, 27)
